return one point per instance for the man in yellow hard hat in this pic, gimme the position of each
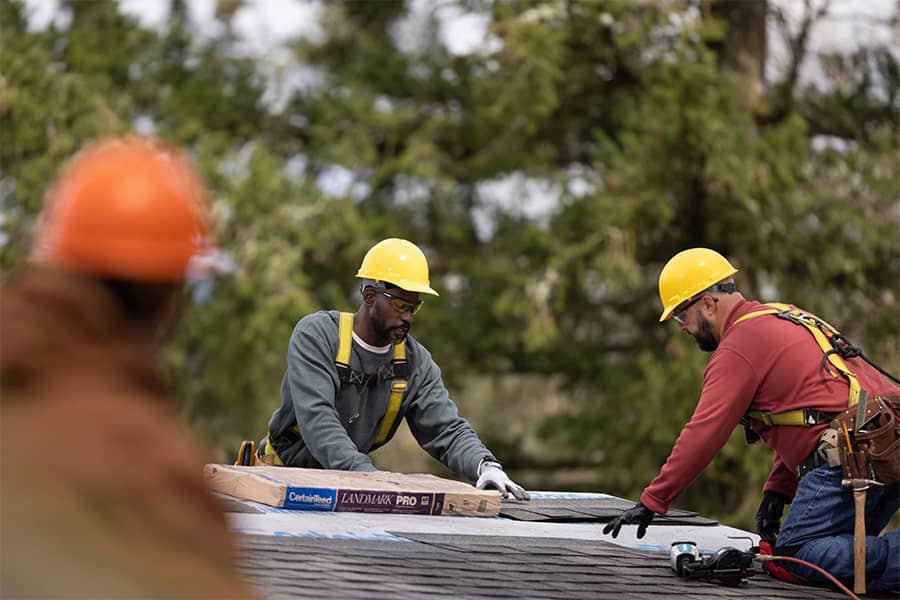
(102, 493)
(352, 378)
(790, 377)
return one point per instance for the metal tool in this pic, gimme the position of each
(727, 566)
(681, 554)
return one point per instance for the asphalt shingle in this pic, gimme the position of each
(479, 567)
(589, 509)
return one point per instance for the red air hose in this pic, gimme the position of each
(768, 558)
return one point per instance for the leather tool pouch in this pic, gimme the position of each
(875, 446)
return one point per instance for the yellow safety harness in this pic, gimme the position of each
(397, 373)
(835, 348)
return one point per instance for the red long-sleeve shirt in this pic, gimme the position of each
(766, 364)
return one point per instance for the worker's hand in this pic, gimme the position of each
(638, 515)
(493, 476)
(768, 517)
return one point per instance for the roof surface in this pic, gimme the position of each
(461, 566)
(553, 554)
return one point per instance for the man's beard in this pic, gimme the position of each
(704, 336)
(386, 334)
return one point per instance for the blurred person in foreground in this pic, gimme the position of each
(798, 385)
(351, 379)
(102, 490)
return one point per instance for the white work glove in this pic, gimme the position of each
(492, 475)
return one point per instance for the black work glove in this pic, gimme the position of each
(768, 517)
(638, 515)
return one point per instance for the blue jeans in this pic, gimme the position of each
(820, 521)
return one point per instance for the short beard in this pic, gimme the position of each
(704, 336)
(382, 331)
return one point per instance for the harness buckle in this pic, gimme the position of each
(844, 347)
(812, 416)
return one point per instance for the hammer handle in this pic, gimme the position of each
(859, 542)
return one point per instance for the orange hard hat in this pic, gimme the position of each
(128, 208)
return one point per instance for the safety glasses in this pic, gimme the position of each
(679, 313)
(401, 305)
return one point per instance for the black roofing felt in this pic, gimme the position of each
(466, 566)
(589, 509)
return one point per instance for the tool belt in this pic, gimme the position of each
(826, 453)
(868, 439)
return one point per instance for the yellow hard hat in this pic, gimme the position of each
(399, 262)
(688, 273)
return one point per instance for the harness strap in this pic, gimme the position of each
(345, 340)
(825, 336)
(398, 389)
(397, 369)
(398, 374)
(799, 416)
(269, 456)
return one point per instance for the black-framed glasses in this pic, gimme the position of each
(678, 315)
(401, 305)
(726, 287)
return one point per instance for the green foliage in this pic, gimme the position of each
(618, 110)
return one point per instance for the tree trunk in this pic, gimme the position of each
(743, 51)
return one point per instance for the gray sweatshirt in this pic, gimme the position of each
(338, 422)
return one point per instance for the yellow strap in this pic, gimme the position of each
(398, 385)
(838, 363)
(768, 311)
(400, 352)
(823, 342)
(788, 417)
(270, 451)
(345, 339)
(398, 389)
(797, 417)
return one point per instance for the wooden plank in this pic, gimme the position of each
(353, 491)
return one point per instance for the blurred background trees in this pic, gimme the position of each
(548, 172)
